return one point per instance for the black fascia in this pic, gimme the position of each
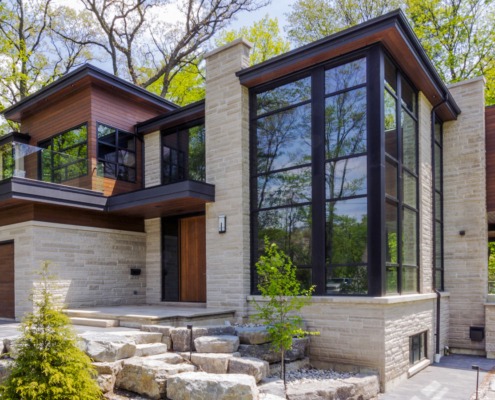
(92, 71)
(159, 194)
(395, 19)
(179, 116)
(50, 193)
(15, 137)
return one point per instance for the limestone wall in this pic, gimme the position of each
(152, 159)
(227, 160)
(92, 265)
(465, 210)
(153, 260)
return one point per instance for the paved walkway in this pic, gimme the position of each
(451, 379)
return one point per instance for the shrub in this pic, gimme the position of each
(48, 363)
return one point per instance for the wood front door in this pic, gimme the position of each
(7, 294)
(193, 259)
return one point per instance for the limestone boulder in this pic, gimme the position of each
(2, 346)
(217, 344)
(258, 369)
(261, 351)
(139, 337)
(107, 347)
(252, 334)
(204, 386)
(108, 368)
(300, 348)
(10, 346)
(164, 330)
(169, 358)
(150, 349)
(106, 382)
(148, 376)
(212, 363)
(181, 337)
(5, 366)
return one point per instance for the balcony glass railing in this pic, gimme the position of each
(26, 161)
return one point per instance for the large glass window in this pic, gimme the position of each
(401, 185)
(65, 155)
(310, 176)
(116, 153)
(438, 203)
(183, 153)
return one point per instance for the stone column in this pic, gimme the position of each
(466, 254)
(152, 160)
(227, 167)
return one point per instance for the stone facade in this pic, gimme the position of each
(152, 170)
(153, 260)
(465, 255)
(227, 161)
(92, 265)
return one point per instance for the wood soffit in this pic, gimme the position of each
(391, 31)
(172, 199)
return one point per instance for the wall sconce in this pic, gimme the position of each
(222, 224)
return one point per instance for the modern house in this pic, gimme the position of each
(350, 153)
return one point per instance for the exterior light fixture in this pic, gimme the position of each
(222, 224)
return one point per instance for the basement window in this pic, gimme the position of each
(417, 348)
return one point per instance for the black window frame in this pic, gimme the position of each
(418, 345)
(375, 152)
(118, 165)
(183, 171)
(48, 144)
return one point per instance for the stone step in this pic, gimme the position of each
(97, 322)
(150, 349)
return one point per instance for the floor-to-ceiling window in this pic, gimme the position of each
(438, 203)
(310, 172)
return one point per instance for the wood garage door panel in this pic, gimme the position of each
(7, 294)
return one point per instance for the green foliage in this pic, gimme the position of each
(265, 37)
(49, 365)
(491, 267)
(284, 296)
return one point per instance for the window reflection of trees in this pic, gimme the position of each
(346, 179)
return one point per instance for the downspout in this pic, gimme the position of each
(437, 334)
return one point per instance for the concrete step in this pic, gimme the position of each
(150, 349)
(97, 322)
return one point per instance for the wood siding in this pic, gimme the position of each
(89, 104)
(490, 157)
(68, 216)
(7, 287)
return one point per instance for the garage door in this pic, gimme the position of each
(7, 294)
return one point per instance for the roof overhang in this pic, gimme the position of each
(392, 31)
(184, 115)
(158, 201)
(81, 77)
(173, 199)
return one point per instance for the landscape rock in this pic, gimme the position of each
(319, 390)
(181, 336)
(2, 346)
(150, 349)
(5, 365)
(108, 368)
(106, 382)
(365, 386)
(107, 347)
(252, 334)
(217, 344)
(212, 363)
(200, 385)
(261, 351)
(164, 330)
(139, 337)
(272, 389)
(255, 367)
(299, 349)
(169, 358)
(10, 346)
(148, 376)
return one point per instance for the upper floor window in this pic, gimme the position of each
(65, 155)
(183, 153)
(437, 156)
(116, 153)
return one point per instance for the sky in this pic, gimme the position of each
(276, 9)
